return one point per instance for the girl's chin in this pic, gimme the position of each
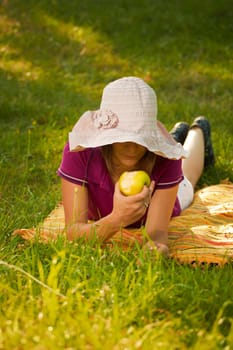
(130, 164)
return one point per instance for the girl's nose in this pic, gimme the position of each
(130, 146)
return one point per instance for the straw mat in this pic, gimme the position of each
(203, 233)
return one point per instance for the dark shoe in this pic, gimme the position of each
(180, 131)
(204, 125)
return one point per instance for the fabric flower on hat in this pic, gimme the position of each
(105, 119)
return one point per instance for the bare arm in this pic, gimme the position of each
(126, 210)
(159, 215)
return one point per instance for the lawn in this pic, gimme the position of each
(55, 58)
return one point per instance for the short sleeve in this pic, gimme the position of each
(74, 166)
(168, 173)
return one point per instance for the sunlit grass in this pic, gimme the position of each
(85, 297)
(20, 69)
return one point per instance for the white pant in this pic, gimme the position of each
(185, 193)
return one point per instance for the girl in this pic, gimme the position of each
(124, 135)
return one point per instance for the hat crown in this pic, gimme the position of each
(133, 101)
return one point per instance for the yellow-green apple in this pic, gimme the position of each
(132, 182)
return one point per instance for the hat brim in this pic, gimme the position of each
(159, 141)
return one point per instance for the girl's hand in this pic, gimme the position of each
(158, 247)
(129, 209)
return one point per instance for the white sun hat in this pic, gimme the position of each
(127, 113)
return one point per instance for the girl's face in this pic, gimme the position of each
(127, 154)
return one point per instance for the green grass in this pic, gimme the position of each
(55, 59)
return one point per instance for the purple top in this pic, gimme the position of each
(88, 168)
